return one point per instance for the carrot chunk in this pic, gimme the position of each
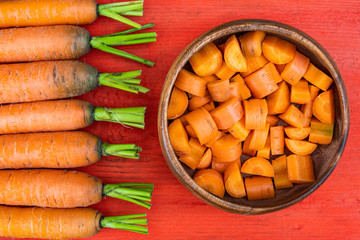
(226, 149)
(219, 90)
(277, 140)
(300, 169)
(258, 188)
(197, 102)
(177, 104)
(211, 181)
(321, 133)
(224, 72)
(300, 92)
(197, 149)
(265, 152)
(316, 77)
(209, 106)
(256, 111)
(234, 183)
(207, 60)
(190, 131)
(246, 147)
(272, 120)
(227, 114)
(279, 100)
(258, 138)
(178, 138)
(233, 55)
(205, 160)
(277, 50)
(323, 107)
(254, 63)
(300, 147)
(297, 133)
(295, 69)
(245, 92)
(239, 130)
(258, 166)
(251, 43)
(281, 178)
(189, 82)
(293, 116)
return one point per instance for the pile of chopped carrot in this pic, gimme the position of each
(249, 114)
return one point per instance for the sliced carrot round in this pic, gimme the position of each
(233, 55)
(227, 114)
(234, 183)
(190, 160)
(277, 50)
(297, 133)
(205, 160)
(258, 166)
(207, 60)
(191, 83)
(258, 188)
(211, 181)
(323, 107)
(178, 138)
(219, 90)
(300, 147)
(227, 149)
(177, 104)
(221, 166)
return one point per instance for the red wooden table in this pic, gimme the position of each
(332, 212)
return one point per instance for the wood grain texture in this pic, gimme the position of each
(331, 212)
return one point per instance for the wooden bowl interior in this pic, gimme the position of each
(325, 157)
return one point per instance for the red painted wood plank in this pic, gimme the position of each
(332, 212)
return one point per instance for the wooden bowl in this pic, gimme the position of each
(325, 157)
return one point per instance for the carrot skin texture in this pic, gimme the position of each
(53, 12)
(46, 80)
(43, 43)
(49, 188)
(49, 150)
(49, 223)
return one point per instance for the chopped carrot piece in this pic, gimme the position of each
(281, 178)
(300, 92)
(300, 169)
(279, 100)
(209, 106)
(197, 102)
(280, 67)
(219, 90)
(205, 160)
(264, 81)
(207, 60)
(234, 183)
(258, 138)
(265, 152)
(258, 166)
(254, 63)
(244, 90)
(203, 124)
(272, 120)
(197, 149)
(183, 120)
(246, 148)
(210, 78)
(226, 149)
(233, 55)
(293, 116)
(210, 180)
(314, 92)
(224, 72)
(295, 69)
(251, 43)
(219, 135)
(179, 138)
(221, 166)
(306, 109)
(300, 147)
(277, 50)
(316, 77)
(189, 82)
(321, 133)
(256, 111)
(191, 160)
(297, 133)
(227, 114)
(258, 188)
(323, 107)
(239, 131)
(235, 90)
(178, 103)
(277, 140)
(190, 131)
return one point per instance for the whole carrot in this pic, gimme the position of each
(24, 13)
(65, 189)
(62, 115)
(63, 42)
(58, 150)
(46, 80)
(45, 223)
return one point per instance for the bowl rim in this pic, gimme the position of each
(217, 32)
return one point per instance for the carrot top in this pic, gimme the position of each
(121, 150)
(126, 222)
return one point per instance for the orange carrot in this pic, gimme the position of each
(183, 120)
(300, 147)
(244, 90)
(209, 106)
(219, 90)
(246, 148)
(251, 43)
(297, 133)
(50, 223)
(255, 113)
(197, 102)
(323, 107)
(295, 69)
(272, 120)
(210, 180)
(191, 83)
(277, 50)
(62, 115)
(293, 116)
(227, 114)
(210, 78)
(277, 140)
(235, 90)
(205, 160)
(316, 77)
(207, 60)
(219, 135)
(314, 92)
(191, 160)
(264, 81)
(300, 169)
(178, 103)
(226, 149)
(58, 150)
(279, 100)
(254, 63)
(321, 133)
(258, 138)
(224, 72)
(265, 152)
(281, 179)
(196, 148)
(258, 188)
(64, 189)
(203, 124)
(221, 166)
(178, 138)
(300, 92)
(233, 55)
(239, 131)
(258, 166)
(190, 131)
(306, 109)
(234, 184)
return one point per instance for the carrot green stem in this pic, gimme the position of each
(131, 30)
(138, 193)
(117, 40)
(121, 150)
(126, 222)
(124, 81)
(133, 116)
